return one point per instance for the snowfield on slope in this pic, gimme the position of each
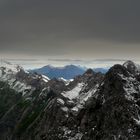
(8, 74)
(74, 92)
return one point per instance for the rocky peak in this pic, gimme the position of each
(129, 63)
(117, 69)
(92, 107)
(131, 67)
(89, 73)
(121, 82)
(114, 108)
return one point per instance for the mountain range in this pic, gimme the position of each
(92, 106)
(66, 72)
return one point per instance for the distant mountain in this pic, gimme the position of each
(67, 72)
(102, 70)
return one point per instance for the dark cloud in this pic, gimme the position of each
(70, 27)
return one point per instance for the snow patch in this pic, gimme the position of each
(59, 100)
(65, 109)
(65, 81)
(137, 120)
(130, 86)
(77, 108)
(45, 78)
(83, 97)
(78, 136)
(74, 92)
(8, 74)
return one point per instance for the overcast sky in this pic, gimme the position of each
(82, 30)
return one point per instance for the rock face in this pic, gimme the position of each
(91, 107)
(113, 112)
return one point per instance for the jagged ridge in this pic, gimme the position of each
(91, 107)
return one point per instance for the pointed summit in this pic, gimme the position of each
(89, 72)
(129, 63)
(131, 67)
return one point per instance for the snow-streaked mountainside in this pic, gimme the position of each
(19, 79)
(66, 72)
(92, 106)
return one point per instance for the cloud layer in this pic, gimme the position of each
(65, 29)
